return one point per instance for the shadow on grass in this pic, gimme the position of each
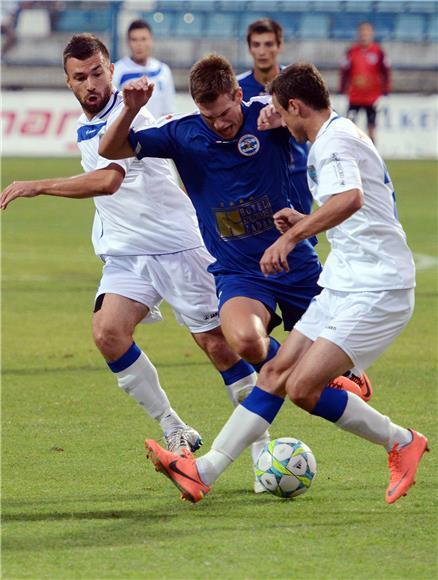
(89, 368)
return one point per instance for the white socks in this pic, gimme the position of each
(242, 428)
(361, 419)
(140, 381)
(237, 392)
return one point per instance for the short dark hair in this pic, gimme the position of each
(211, 77)
(82, 46)
(139, 25)
(264, 25)
(301, 81)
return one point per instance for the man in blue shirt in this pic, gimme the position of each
(265, 43)
(237, 178)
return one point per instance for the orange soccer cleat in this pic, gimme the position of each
(180, 469)
(403, 463)
(360, 386)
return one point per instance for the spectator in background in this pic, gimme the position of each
(140, 63)
(365, 76)
(9, 17)
(265, 43)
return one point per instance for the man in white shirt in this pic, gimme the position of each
(146, 232)
(140, 63)
(367, 298)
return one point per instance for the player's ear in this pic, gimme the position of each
(293, 106)
(67, 81)
(238, 95)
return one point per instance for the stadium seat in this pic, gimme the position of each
(345, 24)
(390, 6)
(432, 28)
(222, 25)
(34, 23)
(246, 19)
(189, 24)
(383, 26)
(71, 20)
(162, 23)
(365, 6)
(409, 27)
(313, 26)
(289, 22)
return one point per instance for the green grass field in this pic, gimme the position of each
(79, 499)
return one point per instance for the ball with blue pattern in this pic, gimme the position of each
(286, 467)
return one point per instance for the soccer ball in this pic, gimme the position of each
(286, 467)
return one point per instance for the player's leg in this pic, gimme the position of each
(361, 328)
(371, 113)
(183, 281)
(120, 305)
(250, 419)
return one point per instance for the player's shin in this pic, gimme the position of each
(239, 381)
(248, 422)
(352, 414)
(137, 376)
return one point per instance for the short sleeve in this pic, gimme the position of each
(337, 169)
(154, 141)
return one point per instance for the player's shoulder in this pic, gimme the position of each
(245, 76)
(122, 62)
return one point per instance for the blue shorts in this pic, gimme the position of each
(292, 299)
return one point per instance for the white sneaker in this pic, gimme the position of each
(183, 438)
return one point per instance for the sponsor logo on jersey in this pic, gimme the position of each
(311, 170)
(248, 145)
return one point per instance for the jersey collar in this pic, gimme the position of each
(326, 125)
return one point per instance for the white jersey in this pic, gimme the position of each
(162, 101)
(368, 250)
(149, 214)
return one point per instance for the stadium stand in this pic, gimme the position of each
(317, 30)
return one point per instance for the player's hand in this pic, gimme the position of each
(18, 189)
(268, 118)
(286, 218)
(137, 93)
(274, 259)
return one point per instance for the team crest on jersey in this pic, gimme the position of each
(311, 170)
(248, 145)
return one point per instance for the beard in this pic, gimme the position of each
(97, 102)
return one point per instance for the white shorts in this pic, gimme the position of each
(362, 324)
(181, 279)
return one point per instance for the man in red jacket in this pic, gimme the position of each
(365, 76)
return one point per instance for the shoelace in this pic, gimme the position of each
(176, 440)
(394, 459)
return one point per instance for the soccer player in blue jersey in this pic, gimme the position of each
(265, 44)
(237, 178)
(149, 254)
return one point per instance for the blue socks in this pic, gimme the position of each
(126, 360)
(274, 345)
(331, 404)
(263, 404)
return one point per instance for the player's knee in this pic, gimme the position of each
(297, 390)
(216, 348)
(247, 344)
(110, 340)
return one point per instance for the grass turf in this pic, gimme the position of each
(79, 499)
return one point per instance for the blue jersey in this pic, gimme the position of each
(236, 185)
(303, 200)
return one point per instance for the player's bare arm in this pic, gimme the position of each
(100, 182)
(335, 211)
(286, 218)
(115, 143)
(268, 118)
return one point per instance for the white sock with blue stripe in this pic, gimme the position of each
(138, 377)
(248, 422)
(351, 413)
(239, 381)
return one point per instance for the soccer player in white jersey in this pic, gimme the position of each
(367, 298)
(146, 232)
(140, 63)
